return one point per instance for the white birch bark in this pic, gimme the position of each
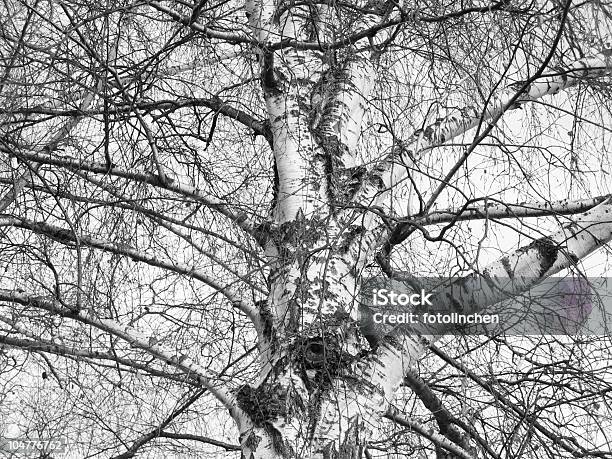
(496, 210)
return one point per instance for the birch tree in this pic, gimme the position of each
(194, 193)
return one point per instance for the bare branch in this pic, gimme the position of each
(164, 105)
(495, 209)
(199, 438)
(241, 219)
(159, 432)
(149, 344)
(459, 121)
(65, 237)
(434, 437)
(570, 445)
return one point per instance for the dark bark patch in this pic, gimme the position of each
(262, 403)
(574, 258)
(338, 178)
(506, 264)
(350, 181)
(548, 251)
(266, 317)
(572, 228)
(251, 442)
(353, 233)
(300, 232)
(275, 186)
(377, 181)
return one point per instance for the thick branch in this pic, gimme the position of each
(496, 210)
(528, 266)
(510, 276)
(342, 108)
(92, 357)
(443, 417)
(288, 78)
(459, 121)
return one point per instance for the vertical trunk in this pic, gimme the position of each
(323, 392)
(318, 395)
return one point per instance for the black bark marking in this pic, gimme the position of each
(353, 180)
(268, 79)
(457, 306)
(376, 180)
(506, 264)
(275, 185)
(573, 228)
(342, 182)
(548, 251)
(266, 317)
(252, 442)
(263, 405)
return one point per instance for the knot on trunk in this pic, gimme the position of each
(317, 354)
(343, 182)
(327, 355)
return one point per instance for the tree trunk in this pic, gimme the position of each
(323, 387)
(315, 397)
